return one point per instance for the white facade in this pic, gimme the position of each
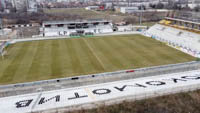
(20, 5)
(5, 31)
(124, 28)
(128, 9)
(92, 8)
(63, 28)
(193, 5)
(32, 6)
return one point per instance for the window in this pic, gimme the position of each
(60, 25)
(47, 26)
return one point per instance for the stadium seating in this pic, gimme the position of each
(162, 21)
(167, 22)
(183, 40)
(65, 31)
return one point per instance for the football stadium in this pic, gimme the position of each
(83, 64)
(50, 59)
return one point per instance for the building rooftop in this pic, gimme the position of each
(77, 21)
(181, 20)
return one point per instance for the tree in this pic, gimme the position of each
(130, 20)
(176, 6)
(186, 8)
(160, 5)
(152, 5)
(197, 8)
(142, 7)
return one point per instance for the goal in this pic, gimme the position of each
(3, 51)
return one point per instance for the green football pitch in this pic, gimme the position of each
(49, 59)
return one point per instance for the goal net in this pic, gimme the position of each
(3, 51)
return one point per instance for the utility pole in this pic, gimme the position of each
(1, 26)
(128, 1)
(13, 3)
(26, 5)
(118, 2)
(141, 12)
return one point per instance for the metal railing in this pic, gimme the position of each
(141, 72)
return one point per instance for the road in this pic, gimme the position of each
(139, 88)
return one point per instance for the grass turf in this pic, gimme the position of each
(40, 60)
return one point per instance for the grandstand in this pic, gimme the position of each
(181, 24)
(67, 28)
(177, 36)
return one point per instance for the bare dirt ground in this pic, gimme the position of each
(176, 103)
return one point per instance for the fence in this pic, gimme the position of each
(69, 82)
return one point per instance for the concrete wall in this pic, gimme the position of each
(46, 85)
(107, 93)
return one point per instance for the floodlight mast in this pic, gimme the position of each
(2, 52)
(1, 22)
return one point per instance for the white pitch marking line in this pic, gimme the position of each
(91, 49)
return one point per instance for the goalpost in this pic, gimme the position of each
(3, 52)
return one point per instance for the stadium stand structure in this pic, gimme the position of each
(186, 41)
(74, 28)
(181, 24)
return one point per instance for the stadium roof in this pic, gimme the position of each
(78, 21)
(181, 20)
